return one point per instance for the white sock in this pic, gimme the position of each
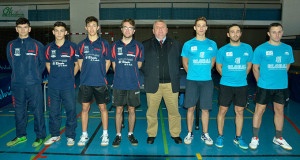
(130, 133)
(105, 132)
(85, 133)
(119, 134)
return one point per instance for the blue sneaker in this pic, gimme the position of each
(240, 142)
(219, 142)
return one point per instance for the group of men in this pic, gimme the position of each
(160, 59)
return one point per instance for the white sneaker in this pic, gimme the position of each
(254, 143)
(70, 142)
(205, 137)
(52, 140)
(105, 140)
(280, 141)
(188, 139)
(83, 140)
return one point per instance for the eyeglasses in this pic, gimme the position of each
(128, 28)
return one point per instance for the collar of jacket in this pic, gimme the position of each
(167, 42)
(24, 40)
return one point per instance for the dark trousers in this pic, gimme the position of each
(33, 96)
(67, 99)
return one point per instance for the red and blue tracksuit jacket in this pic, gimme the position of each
(27, 61)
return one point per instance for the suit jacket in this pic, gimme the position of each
(150, 66)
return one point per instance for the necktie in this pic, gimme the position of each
(161, 42)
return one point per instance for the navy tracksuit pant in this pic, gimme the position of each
(33, 96)
(67, 99)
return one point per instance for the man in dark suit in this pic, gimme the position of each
(161, 80)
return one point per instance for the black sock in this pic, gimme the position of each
(255, 132)
(278, 134)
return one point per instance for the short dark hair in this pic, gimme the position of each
(233, 25)
(274, 25)
(91, 19)
(130, 21)
(200, 19)
(60, 24)
(22, 21)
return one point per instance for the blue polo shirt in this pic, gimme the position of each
(27, 61)
(93, 69)
(234, 60)
(126, 58)
(61, 61)
(273, 62)
(199, 54)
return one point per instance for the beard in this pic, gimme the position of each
(235, 41)
(130, 36)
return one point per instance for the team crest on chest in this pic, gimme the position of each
(287, 53)
(120, 51)
(246, 54)
(53, 53)
(202, 54)
(86, 49)
(229, 54)
(278, 59)
(269, 53)
(237, 60)
(194, 48)
(209, 48)
(17, 52)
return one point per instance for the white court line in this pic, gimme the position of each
(96, 112)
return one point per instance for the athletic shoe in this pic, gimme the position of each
(280, 141)
(37, 142)
(220, 141)
(132, 140)
(16, 141)
(83, 140)
(205, 137)
(52, 140)
(105, 140)
(117, 141)
(254, 143)
(70, 142)
(240, 142)
(189, 138)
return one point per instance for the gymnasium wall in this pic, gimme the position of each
(254, 16)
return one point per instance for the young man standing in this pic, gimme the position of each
(62, 67)
(127, 56)
(233, 63)
(198, 58)
(94, 63)
(25, 56)
(271, 62)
